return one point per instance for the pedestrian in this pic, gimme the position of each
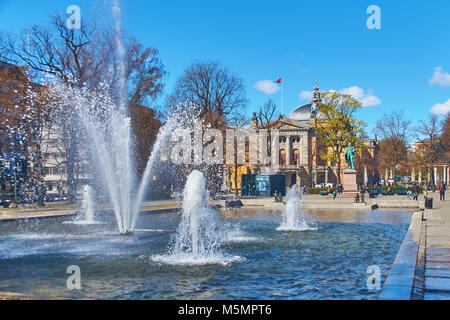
(335, 194)
(442, 193)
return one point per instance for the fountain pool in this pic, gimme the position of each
(329, 263)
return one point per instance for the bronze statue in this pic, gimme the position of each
(350, 157)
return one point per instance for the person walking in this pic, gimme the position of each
(442, 193)
(409, 193)
(415, 192)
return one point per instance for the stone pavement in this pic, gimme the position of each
(11, 215)
(436, 247)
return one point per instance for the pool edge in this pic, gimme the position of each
(400, 281)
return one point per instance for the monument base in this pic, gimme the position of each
(350, 185)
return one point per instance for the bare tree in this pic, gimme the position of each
(145, 130)
(208, 87)
(445, 137)
(3, 47)
(393, 130)
(266, 113)
(431, 151)
(86, 57)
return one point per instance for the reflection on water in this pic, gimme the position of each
(329, 263)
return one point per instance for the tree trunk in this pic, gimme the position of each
(339, 171)
(236, 178)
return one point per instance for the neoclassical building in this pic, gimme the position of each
(427, 173)
(300, 149)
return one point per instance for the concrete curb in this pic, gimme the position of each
(400, 281)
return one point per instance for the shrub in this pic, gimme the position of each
(318, 190)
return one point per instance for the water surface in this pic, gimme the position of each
(329, 263)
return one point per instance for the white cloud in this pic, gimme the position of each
(440, 78)
(306, 95)
(441, 109)
(267, 86)
(367, 99)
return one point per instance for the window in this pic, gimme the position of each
(295, 158)
(282, 139)
(282, 157)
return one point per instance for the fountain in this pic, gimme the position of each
(201, 233)
(88, 205)
(108, 126)
(293, 218)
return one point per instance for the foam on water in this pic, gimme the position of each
(235, 235)
(189, 259)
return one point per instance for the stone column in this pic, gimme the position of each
(435, 175)
(413, 175)
(447, 181)
(326, 175)
(420, 176)
(447, 175)
(288, 150)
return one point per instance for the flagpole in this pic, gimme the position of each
(282, 96)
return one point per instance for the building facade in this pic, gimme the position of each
(300, 152)
(427, 171)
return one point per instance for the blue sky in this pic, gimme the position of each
(298, 40)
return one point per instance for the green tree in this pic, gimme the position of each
(336, 127)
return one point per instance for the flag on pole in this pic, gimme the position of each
(282, 93)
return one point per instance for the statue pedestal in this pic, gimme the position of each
(350, 185)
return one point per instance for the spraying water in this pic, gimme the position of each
(111, 137)
(87, 207)
(201, 233)
(164, 132)
(293, 218)
(88, 204)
